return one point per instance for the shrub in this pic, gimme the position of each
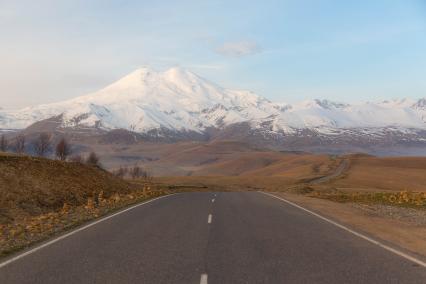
(42, 144)
(63, 149)
(93, 160)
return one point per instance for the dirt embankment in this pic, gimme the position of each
(30, 186)
(41, 197)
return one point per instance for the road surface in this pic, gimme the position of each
(343, 166)
(239, 237)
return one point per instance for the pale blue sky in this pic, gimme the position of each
(283, 50)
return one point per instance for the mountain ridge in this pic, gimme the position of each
(177, 102)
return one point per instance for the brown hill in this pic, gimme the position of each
(31, 186)
(230, 158)
(386, 173)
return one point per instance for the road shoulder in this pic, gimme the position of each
(406, 235)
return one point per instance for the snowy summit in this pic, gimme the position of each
(179, 100)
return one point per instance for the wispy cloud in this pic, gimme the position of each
(239, 48)
(208, 66)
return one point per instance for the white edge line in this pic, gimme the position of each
(203, 279)
(386, 247)
(3, 264)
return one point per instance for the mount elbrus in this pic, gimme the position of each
(179, 105)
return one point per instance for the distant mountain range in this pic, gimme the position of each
(178, 104)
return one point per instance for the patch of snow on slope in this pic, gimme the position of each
(180, 100)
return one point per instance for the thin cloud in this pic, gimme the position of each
(239, 49)
(207, 66)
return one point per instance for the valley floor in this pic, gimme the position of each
(383, 197)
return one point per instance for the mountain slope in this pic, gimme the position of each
(179, 101)
(144, 100)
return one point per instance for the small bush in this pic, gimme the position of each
(93, 160)
(63, 149)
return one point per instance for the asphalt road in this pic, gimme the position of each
(241, 237)
(339, 170)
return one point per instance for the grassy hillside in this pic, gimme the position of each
(30, 186)
(230, 158)
(41, 197)
(390, 174)
(399, 181)
(224, 158)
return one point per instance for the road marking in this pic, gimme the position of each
(203, 279)
(209, 220)
(373, 241)
(212, 200)
(3, 264)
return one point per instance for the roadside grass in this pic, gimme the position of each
(32, 186)
(40, 198)
(26, 231)
(226, 183)
(409, 199)
(406, 198)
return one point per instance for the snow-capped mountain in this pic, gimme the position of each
(178, 100)
(144, 100)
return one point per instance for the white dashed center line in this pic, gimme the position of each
(213, 200)
(209, 220)
(203, 279)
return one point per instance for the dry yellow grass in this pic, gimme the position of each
(26, 230)
(383, 174)
(41, 197)
(404, 198)
(218, 158)
(397, 181)
(224, 183)
(31, 186)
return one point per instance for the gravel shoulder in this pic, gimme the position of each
(403, 227)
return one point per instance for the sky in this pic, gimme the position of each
(286, 51)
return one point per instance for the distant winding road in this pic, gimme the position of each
(343, 166)
(240, 237)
